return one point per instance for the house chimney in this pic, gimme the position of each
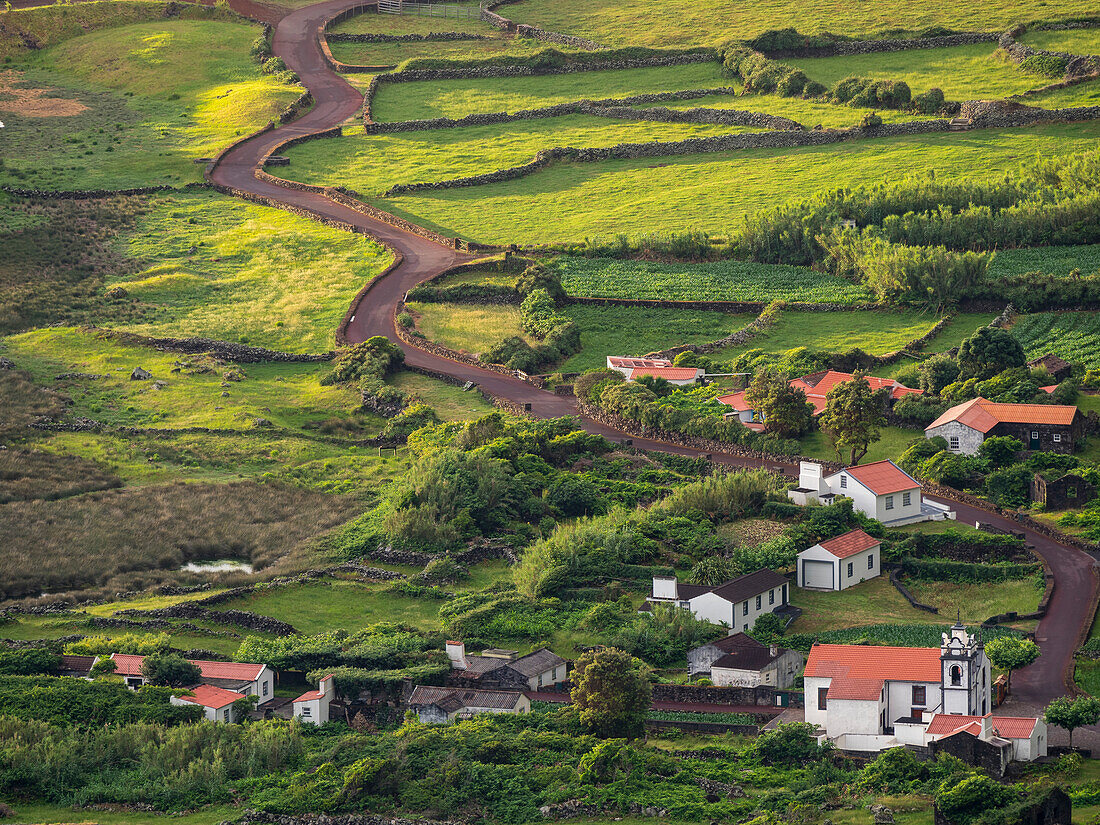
(987, 727)
(773, 650)
(664, 587)
(456, 652)
(327, 686)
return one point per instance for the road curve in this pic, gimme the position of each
(335, 101)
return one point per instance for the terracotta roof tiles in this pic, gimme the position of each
(668, 373)
(1008, 727)
(852, 542)
(983, 415)
(859, 671)
(127, 664)
(212, 697)
(882, 477)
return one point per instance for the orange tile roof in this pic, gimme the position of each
(627, 361)
(859, 671)
(128, 664)
(311, 695)
(668, 373)
(882, 477)
(1008, 727)
(852, 542)
(983, 415)
(212, 697)
(735, 400)
(817, 385)
(1050, 389)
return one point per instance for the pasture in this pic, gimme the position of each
(397, 24)
(1072, 41)
(392, 54)
(810, 112)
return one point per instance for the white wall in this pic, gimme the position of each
(860, 571)
(899, 510)
(899, 700)
(811, 685)
(848, 716)
(210, 714)
(713, 608)
(969, 438)
(736, 677)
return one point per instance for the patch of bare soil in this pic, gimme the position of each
(31, 102)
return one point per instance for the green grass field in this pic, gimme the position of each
(892, 443)
(721, 281)
(131, 106)
(714, 191)
(962, 326)
(681, 23)
(391, 54)
(371, 164)
(230, 270)
(962, 72)
(1072, 41)
(373, 23)
(458, 98)
(1082, 94)
(1074, 336)
(1054, 260)
(809, 112)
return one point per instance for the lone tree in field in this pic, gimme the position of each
(989, 351)
(853, 414)
(1011, 653)
(611, 692)
(170, 670)
(1082, 711)
(783, 407)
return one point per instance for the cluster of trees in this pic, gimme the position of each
(559, 337)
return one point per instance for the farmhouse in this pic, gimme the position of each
(242, 677)
(627, 365)
(1059, 368)
(313, 705)
(1051, 428)
(737, 604)
(741, 661)
(216, 702)
(880, 490)
(439, 705)
(816, 386)
(858, 694)
(840, 562)
(496, 668)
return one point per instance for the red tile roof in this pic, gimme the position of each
(852, 542)
(668, 373)
(859, 671)
(1007, 727)
(212, 697)
(311, 695)
(617, 361)
(983, 415)
(817, 385)
(127, 664)
(882, 477)
(1050, 389)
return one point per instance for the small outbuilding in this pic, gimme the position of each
(440, 705)
(216, 702)
(1061, 493)
(1059, 368)
(741, 661)
(838, 563)
(312, 706)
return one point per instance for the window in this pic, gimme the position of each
(225, 714)
(850, 570)
(906, 499)
(1034, 435)
(956, 675)
(758, 602)
(745, 609)
(889, 502)
(306, 710)
(266, 685)
(844, 482)
(870, 561)
(953, 443)
(771, 597)
(1057, 437)
(918, 695)
(822, 698)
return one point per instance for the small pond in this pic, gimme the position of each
(217, 566)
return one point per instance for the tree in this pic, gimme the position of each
(989, 351)
(1082, 711)
(936, 373)
(853, 414)
(1011, 653)
(170, 669)
(784, 408)
(611, 692)
(1000, 450)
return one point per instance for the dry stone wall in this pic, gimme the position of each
(853, 47)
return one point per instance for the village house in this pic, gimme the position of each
(858, 694)
(1059, 368)
(244, 678)
(838, 563)
(216, 702)
(816, 386)
(880, 490)
(496, 668)
(1024, 736)
(439, 705)
(312, 707)
(737, 604)
(1063, 493)
(741, 661)
(1053, 428)
(634, 368)
(78, 666)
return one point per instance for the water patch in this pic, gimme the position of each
(218, 566)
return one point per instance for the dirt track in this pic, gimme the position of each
(336, 101)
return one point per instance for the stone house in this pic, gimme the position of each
(1058, 368)
(839, 563)
(1024, 736)
(440, 705)
(741, 661)
(496, 668)
(1061, 493)
(737, 604)
(1052, 428)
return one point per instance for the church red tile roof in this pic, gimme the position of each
(1007, 727)
(859, 671)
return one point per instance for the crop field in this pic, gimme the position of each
(424, 99)
(722, 281)
(130, 106)
(373, 163)
(1072, 41)
(963, 72)
(1052, 260)
(681, 22)
(714, 191)
(1074, 336)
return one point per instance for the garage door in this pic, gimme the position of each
(817, 574)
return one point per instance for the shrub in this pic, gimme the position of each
(170, 670)
(273, 65)
(930, 102)
(1045, 65)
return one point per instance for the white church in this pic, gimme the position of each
(868, 698)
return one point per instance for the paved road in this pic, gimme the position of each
(336, 100)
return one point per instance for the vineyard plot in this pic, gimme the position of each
(1074, 336)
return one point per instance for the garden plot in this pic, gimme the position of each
(1051, 260)
(1074, 336)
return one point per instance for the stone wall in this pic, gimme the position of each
(1077, 66)
(93, 194)
(851, 47)
(441, 37)
(535, 33)
(259, 818)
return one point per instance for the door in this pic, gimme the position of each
(817, 574)
(1034, 440)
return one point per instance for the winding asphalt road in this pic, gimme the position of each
(295, 40)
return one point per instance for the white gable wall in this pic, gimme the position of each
(860, 569)
(712, 608)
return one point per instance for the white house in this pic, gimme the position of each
(880, 490)
(741, 661)
(859, 694)
(1025, 735)
(245, 678)
(312, 706)
(439, 705)
(737, 603)
(216, 702)
(840, 562)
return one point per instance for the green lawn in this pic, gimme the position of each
(371, 164)
(810, 113)
(683, 23)
(893, 442)
(451, 402)
(714, 191)
(221, 268)
(391, 54)
(976, 602)
(467, 328)
(1087, 676)
(132, 106)
(962, 72)
(1082, 94)
(962, 326)
(1072, 41)
(1052, 260)
(457, 98)
(373, 23)
(720, 281)
(42, 814)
